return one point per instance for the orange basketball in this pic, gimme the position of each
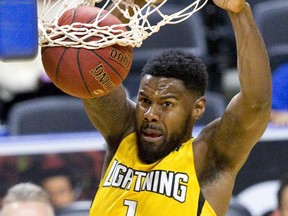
(87, 73)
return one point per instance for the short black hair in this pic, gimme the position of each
(179, 65)
(55, 172)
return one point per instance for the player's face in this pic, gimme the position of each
(163, 116)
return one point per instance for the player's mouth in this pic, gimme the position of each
(152, 135)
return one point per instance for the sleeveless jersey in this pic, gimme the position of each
(166, 187)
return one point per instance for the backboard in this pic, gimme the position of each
(18, 29)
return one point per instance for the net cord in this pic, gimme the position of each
(138, 28)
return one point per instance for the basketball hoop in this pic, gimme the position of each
(138, 26)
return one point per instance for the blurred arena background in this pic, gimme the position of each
(41, 128)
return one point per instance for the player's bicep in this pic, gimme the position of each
(240, 128)
(248, 117)
(111, 114)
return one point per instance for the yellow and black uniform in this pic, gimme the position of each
(166, 187)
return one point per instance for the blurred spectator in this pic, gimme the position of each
(27, 199)
(23, 80)
(282, 197)
(84, 170)
(60, 184)
(18, 78)
(279, 113)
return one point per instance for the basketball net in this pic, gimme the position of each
(138, 26)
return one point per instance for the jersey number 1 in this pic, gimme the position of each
(132, 205)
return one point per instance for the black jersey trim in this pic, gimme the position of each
(201, 201)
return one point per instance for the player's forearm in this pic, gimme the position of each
(253, 60)
(101, 110)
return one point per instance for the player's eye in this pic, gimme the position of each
(144, 100)
(167, 104)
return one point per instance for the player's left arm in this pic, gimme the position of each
(247, 115)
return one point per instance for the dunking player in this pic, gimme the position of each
(154, 165)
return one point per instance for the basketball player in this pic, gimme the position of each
(153, 164)
(27, 199)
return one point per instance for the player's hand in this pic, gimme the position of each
(142, 2)
(235, 6)
(157, 1)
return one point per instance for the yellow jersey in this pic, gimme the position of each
(166, 187)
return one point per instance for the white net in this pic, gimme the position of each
(138, 27)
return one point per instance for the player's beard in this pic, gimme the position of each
(147, 151)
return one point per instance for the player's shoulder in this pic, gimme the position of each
(207, 133)
(205, 153)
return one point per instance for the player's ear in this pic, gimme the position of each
(199, 108)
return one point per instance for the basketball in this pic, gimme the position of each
(87, 73)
